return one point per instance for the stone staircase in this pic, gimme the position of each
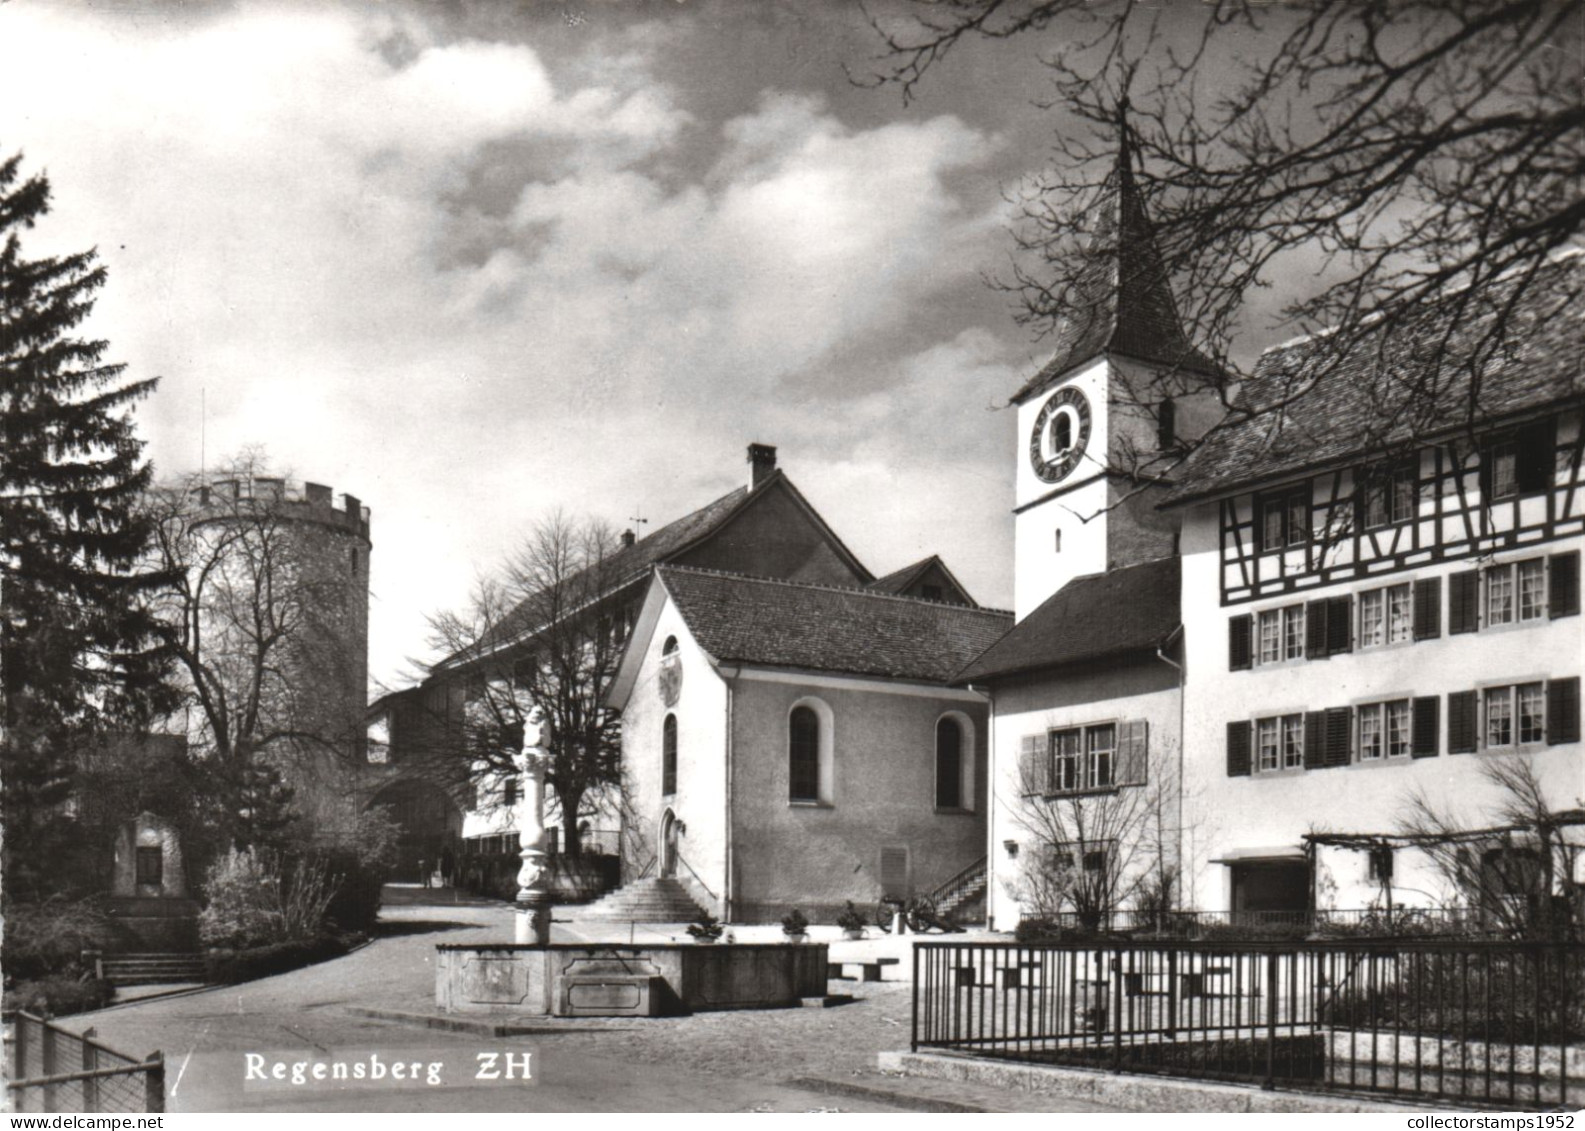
(963, 897)
(654, 899)
(152, 969)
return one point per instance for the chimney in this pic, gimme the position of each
(628, 538)
(762, 457)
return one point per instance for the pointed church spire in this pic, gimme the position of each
(1122, 301)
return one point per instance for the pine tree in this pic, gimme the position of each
(79, 649)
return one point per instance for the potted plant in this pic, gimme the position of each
(852, 922)
(705, 929)
(795, 926)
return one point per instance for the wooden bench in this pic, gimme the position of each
(871, 968)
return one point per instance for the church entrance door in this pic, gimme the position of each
(668, 845)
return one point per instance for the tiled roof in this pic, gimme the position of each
(1372, 396)
(630, 563)
(1099, 616)
(752, 620)
(898, 581)
(1126, 306)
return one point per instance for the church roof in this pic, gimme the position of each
(1097, 617)
(1370, 394)
(785, 624)
(1126, 306)
(898, 581)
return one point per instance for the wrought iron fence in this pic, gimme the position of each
(1480, 1022)
(1383, 922)
(51, 1069)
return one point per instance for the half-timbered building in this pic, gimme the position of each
(1381, 593)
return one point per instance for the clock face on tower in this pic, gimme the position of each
(1060, 434)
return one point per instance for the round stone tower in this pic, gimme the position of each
(316, 549)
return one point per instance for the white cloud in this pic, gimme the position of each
(313, 234)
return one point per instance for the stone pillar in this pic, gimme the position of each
(533, 887)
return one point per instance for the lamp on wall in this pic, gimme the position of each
(1011, 846)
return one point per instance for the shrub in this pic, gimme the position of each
(228, 967)
(852, 919)
(256, 897)
(705, 928)
(1055, 931)
(243, 901)
(49, 937)
(58, 994)
(795, 924)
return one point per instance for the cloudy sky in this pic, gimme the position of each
(473, 263)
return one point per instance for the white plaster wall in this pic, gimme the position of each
(700, 800)
(1146, 689)
(1039, 570)
(883, 743)
(1274, 810)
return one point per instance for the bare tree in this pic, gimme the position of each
(257, 617)
(1410, 168)
(1519, 872)
(547, 632)
(1091, 853)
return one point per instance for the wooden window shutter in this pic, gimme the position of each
(1315, 630)
(1133, 755)
(1535, 456)
(1034, 766)
(1461, 722)
(1339, 625)
(1239, 651)
(1563, 585)
(1463, 601)
(1238, 765)
(1426, 722)
(1428, 608)
(1339, 735)
(1314, 740)
(1562, 710)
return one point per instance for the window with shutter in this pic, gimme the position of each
(1339, 623)
(1563, 584)
(1314, 740)
(1427, 724)
(1339, 731)
(1428, 608)
(1239, 651)
(1133, 756)
(1315, 630)
(1536, 457)
(1238, 760)
(1461, 722)
(1463, 601)
(1034, 766)
(1562, 710)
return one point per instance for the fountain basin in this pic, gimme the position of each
(625, 980)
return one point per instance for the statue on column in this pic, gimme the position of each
(533, 877)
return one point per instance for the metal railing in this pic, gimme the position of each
(51, 1069)
(1364, 922)
(1490, 1023)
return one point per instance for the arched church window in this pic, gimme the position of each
(668, 755)
(949, 764)
(803, 754)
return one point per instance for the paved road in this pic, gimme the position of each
(222, 1045)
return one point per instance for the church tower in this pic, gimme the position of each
(1100, 421)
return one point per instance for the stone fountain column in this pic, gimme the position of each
(533, 876)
